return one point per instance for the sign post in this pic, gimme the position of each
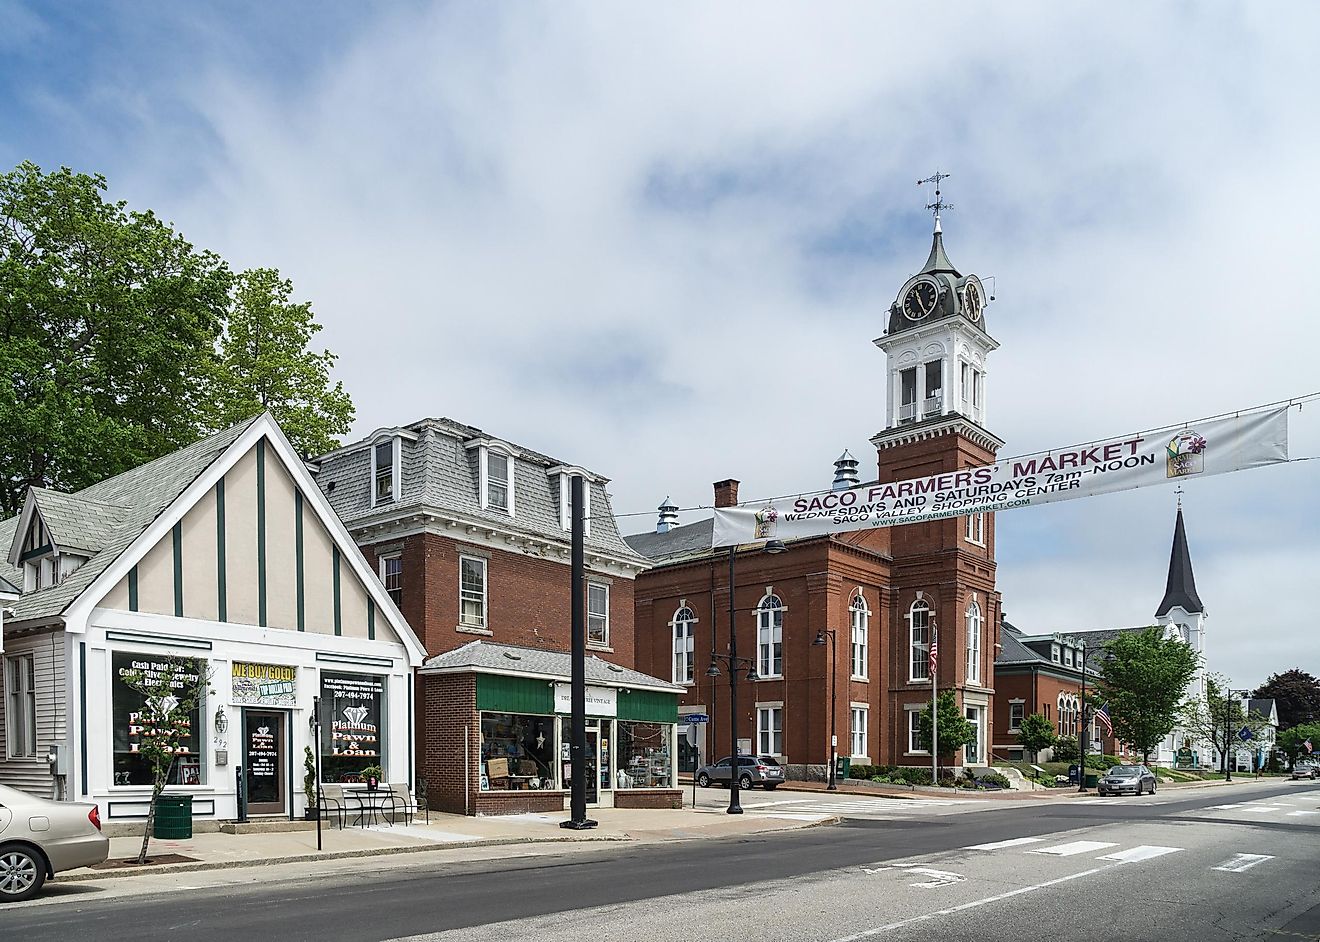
(695, 719)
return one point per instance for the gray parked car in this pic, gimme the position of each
(1305, 770)
(752, 770)
(40, 838)
(1127, 780)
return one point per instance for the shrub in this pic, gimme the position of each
(994, 779)
(1065, 749)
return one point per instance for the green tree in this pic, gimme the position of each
(1293, 741)
(1037, 733)
(264, 363)
(107, 318)
(1144, 678)
(1218, 718)
(172, 689)
(1296, 694)
(955, 729)
(1066, 749)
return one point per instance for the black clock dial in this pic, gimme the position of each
(972, 299)
(920, 300)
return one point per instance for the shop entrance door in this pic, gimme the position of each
(593, 776)
(264, 759)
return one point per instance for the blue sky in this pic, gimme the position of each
(658, 240)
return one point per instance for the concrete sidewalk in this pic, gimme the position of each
(454, 833)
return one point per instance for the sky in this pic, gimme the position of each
(658, 240)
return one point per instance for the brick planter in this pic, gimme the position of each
(531, 801)
(648, 798)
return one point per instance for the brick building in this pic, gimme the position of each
(470, 536)
(881, 592)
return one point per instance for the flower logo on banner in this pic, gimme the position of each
(1186, 454)
(767, 520)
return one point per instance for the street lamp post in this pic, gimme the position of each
(1083, 731)
(834, 701)
(734, 663)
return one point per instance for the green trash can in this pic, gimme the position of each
(842, 767)
(173, 817)
(1092, 780)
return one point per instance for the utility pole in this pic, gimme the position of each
(578, 819)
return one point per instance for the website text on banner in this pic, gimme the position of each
(1214, 446)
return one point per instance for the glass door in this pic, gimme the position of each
(593, 750)
(264, 761)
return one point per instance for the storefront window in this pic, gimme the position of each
(131, 724)
(352, 731)
(643, 753)
(517, 752)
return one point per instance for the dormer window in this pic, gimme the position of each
(496, 475)
(385, 456)
(565, 478)
(497, 481)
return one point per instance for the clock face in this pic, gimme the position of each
(920, 300)
(973, 298)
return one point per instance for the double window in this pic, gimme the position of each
(976, 528)
(861, 626)
(973, 619)
(684, 655)
(859, 722)
(1017, 712)
(21, 705)
(391, 576)
(598, 613)
(471, 592)
(770, 730)
(919, 640)
(770, 637)
(1069, 714)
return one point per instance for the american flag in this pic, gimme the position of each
(1307, 744)
(934, 651)
(1103, 716)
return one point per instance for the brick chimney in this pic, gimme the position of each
(726, 493)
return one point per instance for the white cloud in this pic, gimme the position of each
(659, 240)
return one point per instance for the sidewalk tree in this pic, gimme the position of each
(1144, 678)
(121, 342)
(264, 362)
(1296, 694)
(1293, 742)
(955, 729)
(1217, 718)
(1037, 734)
(172, 689)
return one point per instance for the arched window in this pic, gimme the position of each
(1062, 722)
(919, 640)
(684, 654)
(973, 643)
(770, 637)
(861, 627)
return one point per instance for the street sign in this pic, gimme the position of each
(695, 718)
(1244, 734)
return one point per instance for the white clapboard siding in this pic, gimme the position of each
(32, 773)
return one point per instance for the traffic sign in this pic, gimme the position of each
(695, 718)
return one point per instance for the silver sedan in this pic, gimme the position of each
(40, 838)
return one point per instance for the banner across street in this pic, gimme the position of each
(1212, 446)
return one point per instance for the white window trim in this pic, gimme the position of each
(762, 709)
(865, 710)
(483, 474)
(19, 673)
(395, 475)
(979, 723)
(973, 665)
(485, 593)
(976, 528)
(914, 710)
(690, 653)
(761, 609)
(565, 476)
(864, 610)
(602, 645)
(913, 677)
(1012, 703)
(380, 570)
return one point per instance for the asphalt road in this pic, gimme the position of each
(1202, 865)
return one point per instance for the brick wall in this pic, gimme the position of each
(667, 798)
(526, 802)
(449, 706)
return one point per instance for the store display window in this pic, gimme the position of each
(517, 752)
(132, 724)
(644, 755)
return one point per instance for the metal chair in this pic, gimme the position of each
(332, 800)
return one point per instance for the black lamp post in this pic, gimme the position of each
(1083, 731)
(834, 700)
(734, 663)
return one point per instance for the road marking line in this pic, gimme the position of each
(1143, 852)
(1293, 814)
(1265, 808)
(1076, 847)
(941, 877)
(1227, 807)
(925, 917)
(1242, 862)
(1012, 842)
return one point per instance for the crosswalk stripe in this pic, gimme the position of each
(1241, 862)
(1143, 852)
(1227, 807)
(1075, 847)
(1293, 814)
(1011, 842)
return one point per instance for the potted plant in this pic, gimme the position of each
(309, 784)
(372, 775)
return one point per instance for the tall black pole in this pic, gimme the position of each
(834, 709)
(734, 807)
(316, 746)
(1083, 733)
(578, 749)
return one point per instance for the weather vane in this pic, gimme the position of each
(1179, 492)
(938, 206)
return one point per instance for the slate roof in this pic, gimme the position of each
(691, 539)
(139, 495)
(439, 472)
(1180, 590)
(1262, 706)
(7, 587)
(491, 658)
(1013, 651)
(77, 522)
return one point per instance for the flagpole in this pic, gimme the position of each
(934, 709)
